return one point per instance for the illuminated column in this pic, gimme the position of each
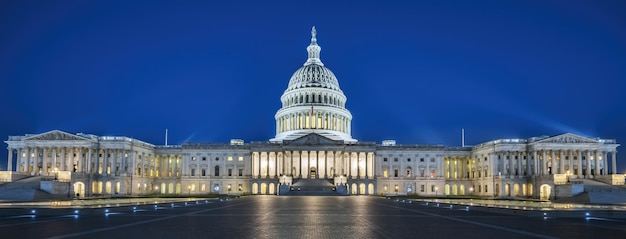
(300, 164)
(613, 163)
(349, 165)
(10, 159)
(588, 164)
(326, 164)
(596, 165)
(519, 164)
(535, 163)
(275, 164)
(544, 163)
(570, 163)
(561, 162)
(605, 163)
(579, 162)
(105, 161)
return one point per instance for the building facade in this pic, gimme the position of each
(313, 142)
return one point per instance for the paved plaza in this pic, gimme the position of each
(292, 217)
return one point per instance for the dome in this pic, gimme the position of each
(313, 75)
(313, 102)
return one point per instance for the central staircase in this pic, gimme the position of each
(313, 187)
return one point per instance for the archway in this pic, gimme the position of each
(370, 189)
(271, 188)
(455, 189)
(516, 190)
(313, 172)
(447, 189)
(544, 192)
(354, 189)
(163, 188)
(263, 188)
(255, 188)
(362, 189)
(462, 189)
(107, 187)
(79, 189)
(507, 190)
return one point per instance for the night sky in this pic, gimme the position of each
(415, 71)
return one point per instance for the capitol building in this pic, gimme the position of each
(313, 152)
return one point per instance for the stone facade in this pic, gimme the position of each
(312, 141)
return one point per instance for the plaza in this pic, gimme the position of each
(304, 217)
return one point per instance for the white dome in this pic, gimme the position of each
(313, 75)
(313, 102)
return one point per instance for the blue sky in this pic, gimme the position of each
(414, 71)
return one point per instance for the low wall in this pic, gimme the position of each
(55, 187)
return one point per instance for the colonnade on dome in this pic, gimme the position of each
(321, 120)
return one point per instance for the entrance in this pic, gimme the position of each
(313, 172)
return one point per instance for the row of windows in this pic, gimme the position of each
(203, 172)
(230, 158)
(432, 160)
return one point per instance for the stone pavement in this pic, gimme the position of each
(295, 217)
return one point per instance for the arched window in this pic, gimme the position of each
(217, 170)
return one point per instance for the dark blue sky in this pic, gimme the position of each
(415, 71)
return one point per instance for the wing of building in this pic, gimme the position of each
(312, 152)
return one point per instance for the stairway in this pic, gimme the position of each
(312, 187)
(26, 189)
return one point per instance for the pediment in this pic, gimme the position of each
(314, 139)
(55, 135)
(567, 138)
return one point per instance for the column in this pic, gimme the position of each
(613, 163)
(553, 166)
(300, 164)
(88, 160)
(64, 159)
(570, 164)
(605, 164)
(579, 174)
(536, 163)
(105, 160)
(588, 164)
(561, 162)
(350, 165)
(45, 171)
(520, 170)
(596, 167)
(36, 161)
(544, 163)
(366, 163)
(528, 168)
(10, 160)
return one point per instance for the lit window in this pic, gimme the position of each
(385, 173)
(193, 158)
(240, 158)
(230, 158)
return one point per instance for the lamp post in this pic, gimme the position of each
(436, 192)
(228, 189)
(471, 190)
(189, 188)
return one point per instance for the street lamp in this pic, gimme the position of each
(189, 188)
(229, 189)
(471, 190)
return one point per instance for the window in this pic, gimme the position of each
(421, 172)
(240, 172)
(395, 159)
(395, 173)
(230, 172)
(432, 188)
(217, 170)
(217, 159)
(240, 158)
(408, 160)
(203, 158)
(230, 158)
(479, 189)
(432, 160)
(193, 172)
(193, 158)
(385, 173)
(486, 189)
(432, 173)
(422, 188)
(384, 159)
(203, 172)
(240, 186)
(421, 159)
